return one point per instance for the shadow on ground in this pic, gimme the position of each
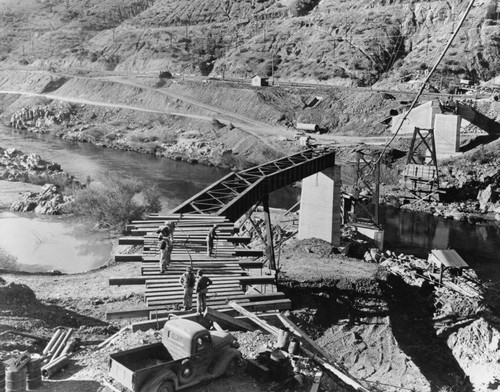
(411, 311)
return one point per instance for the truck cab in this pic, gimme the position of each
(188, 354)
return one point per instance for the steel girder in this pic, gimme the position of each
(237, 192)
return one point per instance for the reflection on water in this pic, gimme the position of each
(43, 243)
(413, 233)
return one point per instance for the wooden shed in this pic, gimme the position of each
(258, 80)
(446, 259)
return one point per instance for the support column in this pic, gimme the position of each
(320, 206)
(269, 233)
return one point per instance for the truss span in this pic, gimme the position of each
(237, 192)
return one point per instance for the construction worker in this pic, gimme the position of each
(212, 234)
(187, 281)
(165, 247)
(202, 283)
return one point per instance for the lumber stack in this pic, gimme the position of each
(232, 269)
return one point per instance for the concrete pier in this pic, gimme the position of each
(320, 206)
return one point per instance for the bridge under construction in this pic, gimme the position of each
(240, 274)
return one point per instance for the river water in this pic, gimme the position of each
(41, 243)
(44, 243)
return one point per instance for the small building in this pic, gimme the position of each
(446, 259)
(260, 81)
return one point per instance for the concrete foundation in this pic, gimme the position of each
(371, 232)
(320, 206)
(446, 134)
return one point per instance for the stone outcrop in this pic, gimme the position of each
(49, 201)
(16, 166)
(39, 118)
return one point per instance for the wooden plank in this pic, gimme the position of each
(232, 293)
(128, 258)
(154, 271)
(160, 322)
(210, 301)
(207, 264)
(260, 306)
(185, 259)
(127, 281)
(164, 279)
(221, 288)
(248, 253)
(131, 241)
(226, 320)
(261, 323)
(229, 294)
(130, 313)
(248, 280)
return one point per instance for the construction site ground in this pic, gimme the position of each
(324, 286)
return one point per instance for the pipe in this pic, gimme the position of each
(49, 345)
(57, 352)
(54, 347)
(69, 348)
(53, 367)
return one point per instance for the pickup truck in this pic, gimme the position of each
(187, 355)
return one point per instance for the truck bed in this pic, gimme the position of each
(131, 367)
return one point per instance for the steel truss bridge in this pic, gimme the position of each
(233, 195)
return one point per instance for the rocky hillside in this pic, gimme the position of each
(342, 43)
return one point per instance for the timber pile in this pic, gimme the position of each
(234, 275)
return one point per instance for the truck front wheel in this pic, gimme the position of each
(166, 386)
(231, 367)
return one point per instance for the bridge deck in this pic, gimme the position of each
(234, 274)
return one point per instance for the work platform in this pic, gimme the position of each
(237, 272)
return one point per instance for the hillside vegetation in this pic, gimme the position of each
(330, 41)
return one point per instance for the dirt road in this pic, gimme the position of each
(263, 131)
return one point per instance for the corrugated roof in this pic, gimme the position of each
(449, 258)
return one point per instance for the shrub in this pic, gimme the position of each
(113, 201)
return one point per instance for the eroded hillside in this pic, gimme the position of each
(335, 42)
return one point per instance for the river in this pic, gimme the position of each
(43, 243)
(78, 250)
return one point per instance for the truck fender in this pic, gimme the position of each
(154, 383)
(228, 355)
(186, 371)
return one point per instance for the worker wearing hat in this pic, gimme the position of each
(165, 248)
(187, 281)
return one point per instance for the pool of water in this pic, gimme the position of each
(40, 243)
